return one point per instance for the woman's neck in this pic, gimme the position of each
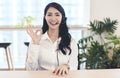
(53, 35)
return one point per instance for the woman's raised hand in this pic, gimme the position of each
(35, 34)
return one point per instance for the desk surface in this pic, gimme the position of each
(108, 73)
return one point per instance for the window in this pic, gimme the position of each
(13, 11)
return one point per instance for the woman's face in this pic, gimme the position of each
(53, 18)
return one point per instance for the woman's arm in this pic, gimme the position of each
(32, 57)
(73, 61)
(33, 49)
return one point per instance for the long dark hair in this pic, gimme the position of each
(64, 44)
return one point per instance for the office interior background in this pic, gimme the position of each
(78, 12)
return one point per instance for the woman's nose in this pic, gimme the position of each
(53, 18)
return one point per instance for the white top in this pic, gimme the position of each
(45, 57)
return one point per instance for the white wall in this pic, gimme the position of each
(105, 8)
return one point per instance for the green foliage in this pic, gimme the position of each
(112, 39)
(107, 25)
(115, 63)
(26, 21)
(96, 55)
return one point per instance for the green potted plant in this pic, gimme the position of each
(95, 53)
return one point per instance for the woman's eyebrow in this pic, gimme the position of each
(57, 13)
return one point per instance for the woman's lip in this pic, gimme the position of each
(54, 23)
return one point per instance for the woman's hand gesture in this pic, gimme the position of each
(61, 70)
(35, 34)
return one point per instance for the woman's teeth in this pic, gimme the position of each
(54, 23)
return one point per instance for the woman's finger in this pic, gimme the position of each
(61, 71)
(66, 71)
(38, 31)
(56, 71)
(29, 30)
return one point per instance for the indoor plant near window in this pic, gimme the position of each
(26, 21)
(102, 53)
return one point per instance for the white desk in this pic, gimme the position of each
(109, 73)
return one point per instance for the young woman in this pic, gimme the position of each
(54, 49)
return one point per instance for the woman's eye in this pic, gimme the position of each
(49, 15)
(57, 15)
